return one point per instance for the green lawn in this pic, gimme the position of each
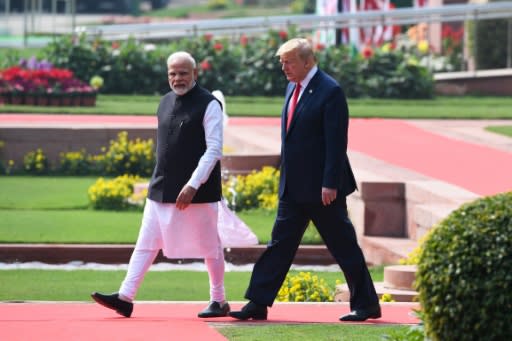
(55, 210)
(176, 285)
(503, 130)
(317, 332)
(438, 108)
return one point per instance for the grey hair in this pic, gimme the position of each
(181, 56)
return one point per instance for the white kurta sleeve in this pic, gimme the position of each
(213, 131)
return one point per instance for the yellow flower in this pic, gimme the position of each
(423, 46)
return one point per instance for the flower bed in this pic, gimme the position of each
(38, 83)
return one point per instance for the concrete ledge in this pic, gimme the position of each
(384, 208)
(243, 164)
(483, 82)
(120, 254)
(400, 277)
(342, 294)
(386, 250)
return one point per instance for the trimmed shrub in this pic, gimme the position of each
(124, 156)
(36, 162)
(256, 189)
(464, 276)
(75, 163)
(113, 194)
(304, 287)
(248, 67)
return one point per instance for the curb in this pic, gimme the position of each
(120, 254)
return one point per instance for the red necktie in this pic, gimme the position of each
(291, 109)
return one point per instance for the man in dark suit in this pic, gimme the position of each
(315, 179)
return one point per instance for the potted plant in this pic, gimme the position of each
(88, 96)
(17, 96)
(5, 91)
(54, 95)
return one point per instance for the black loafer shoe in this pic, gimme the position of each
(215, 309)
(251, 311)
(359, 315)
(114, 302)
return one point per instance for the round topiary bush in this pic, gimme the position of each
(464, 277)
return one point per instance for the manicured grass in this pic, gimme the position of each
(261, 223)
(324, 332)
(503, 130)
(176, 285)
(105, 105)
(55, 210)
(44, 192)
(69, 226)
(438, 108)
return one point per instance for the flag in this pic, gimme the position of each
(420, 3)
(376, 35)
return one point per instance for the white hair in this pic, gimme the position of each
(181, 56)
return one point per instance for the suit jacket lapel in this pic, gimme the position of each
(306, 96)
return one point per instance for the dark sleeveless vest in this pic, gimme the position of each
(180, 145)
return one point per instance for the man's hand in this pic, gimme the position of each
(185, 197)
(328, 195)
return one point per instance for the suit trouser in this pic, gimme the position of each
(339, 235)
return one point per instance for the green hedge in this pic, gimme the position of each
(464, 274)
(247, 67)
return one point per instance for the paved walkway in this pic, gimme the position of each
(458, 152)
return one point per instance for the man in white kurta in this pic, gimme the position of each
(181, 212)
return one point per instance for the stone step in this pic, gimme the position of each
(342, 294)
(400, 277)
(386, 250)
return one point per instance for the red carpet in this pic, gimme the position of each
(160, 321)
(479, 169)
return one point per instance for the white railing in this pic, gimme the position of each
(237, 26)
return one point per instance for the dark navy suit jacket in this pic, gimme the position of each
(314, 149)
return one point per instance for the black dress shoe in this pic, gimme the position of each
(114, 302)
(251, 311)
(215, 309)
(358, 315)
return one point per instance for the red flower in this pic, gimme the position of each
(458, 35)
(367, 52)
(283, 35)
(447, 31)
(243, 40)
(218, 47)
(115, 45)
(319, 47)
(205, 65)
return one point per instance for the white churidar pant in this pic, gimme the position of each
(189, 233)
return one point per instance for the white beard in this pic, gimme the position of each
(182, 90)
